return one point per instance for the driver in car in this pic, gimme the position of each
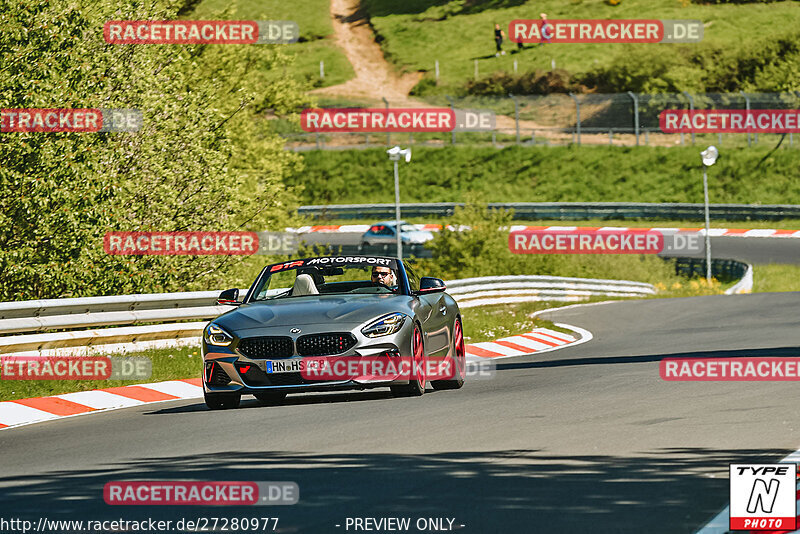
(385, 276)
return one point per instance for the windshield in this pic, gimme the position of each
(308, 280)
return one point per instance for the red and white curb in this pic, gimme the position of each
(721, 522)
(713, 232)
(534, 342)
(26, 411)
(34, 410)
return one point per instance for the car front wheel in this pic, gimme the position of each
(459, 361)
(418, 380)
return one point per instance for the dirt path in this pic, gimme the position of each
(374, 78)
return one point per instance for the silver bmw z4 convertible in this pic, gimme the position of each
(335, 322)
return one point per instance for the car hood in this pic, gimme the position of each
(318, 309)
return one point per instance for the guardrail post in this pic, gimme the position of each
(452, 107)
(388, 134)
(436, 69)
(691, 111)
(516, 113)
(747, 107)
(635, 115)
(322, 70)
(577, 116)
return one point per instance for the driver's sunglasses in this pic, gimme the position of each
(379, 274)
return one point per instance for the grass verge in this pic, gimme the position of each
(550, 174)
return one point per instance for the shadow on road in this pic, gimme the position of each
(665, 490)
(739, 353)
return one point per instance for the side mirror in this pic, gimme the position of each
(428, 284)
(229, 297)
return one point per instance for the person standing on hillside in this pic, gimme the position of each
(498, 40)
(547, 30)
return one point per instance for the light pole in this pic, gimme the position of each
(709, 156)
(395, 153)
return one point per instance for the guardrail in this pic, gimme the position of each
(565, 211)
(25, 323)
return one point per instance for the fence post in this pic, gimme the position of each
(577, 116)
(322, 69)
(747, 107)
(610, 137)
(437, 71)
(635, 115)
(691, 111)
(388, 134)
(452, 107)
(516, 113)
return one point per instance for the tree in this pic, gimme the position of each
(203, 160)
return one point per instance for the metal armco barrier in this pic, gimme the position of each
(566, 211)
(30, 330)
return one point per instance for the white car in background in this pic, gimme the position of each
(385, 233)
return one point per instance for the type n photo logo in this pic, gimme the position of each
(763, 497)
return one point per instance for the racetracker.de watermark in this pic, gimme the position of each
(201, 32)
(730, 369)
(75, 368)
(599, 241)
(386, 368)
(199, 243)
(211, 493)
(70, 120)
(729, 121)
(605, 31)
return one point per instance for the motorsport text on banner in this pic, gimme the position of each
(378, 120)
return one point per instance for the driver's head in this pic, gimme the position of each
(384, 275)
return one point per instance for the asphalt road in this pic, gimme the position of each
(587, 438)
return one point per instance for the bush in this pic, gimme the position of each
(483, 251)
(769, 65)
(529, 83)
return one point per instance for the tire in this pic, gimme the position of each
(460, 361)
(416, 386)
(222, 401)
(270, 398)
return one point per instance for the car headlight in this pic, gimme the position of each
(215, 335)
(386, 325)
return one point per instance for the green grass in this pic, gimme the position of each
(168, 364)
(776, 277)
(550, 174)
(316, 34)
(415, 33)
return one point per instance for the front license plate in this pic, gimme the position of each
(290, 366)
